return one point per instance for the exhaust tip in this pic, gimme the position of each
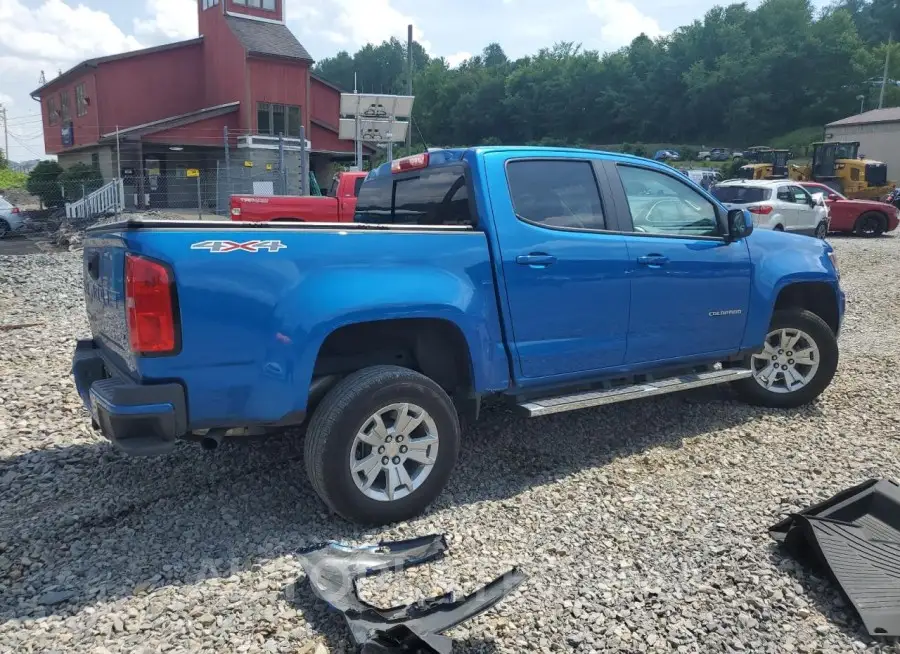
(212, 440)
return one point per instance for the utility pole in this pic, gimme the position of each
(887, 59)
(409, 73)
(358, 149)
(5, 133)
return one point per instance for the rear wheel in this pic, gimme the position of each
(4, 228)
(869, 224)
(778, 228)
(796, 363)
(382, 444)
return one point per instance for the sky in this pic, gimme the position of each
(52, 35)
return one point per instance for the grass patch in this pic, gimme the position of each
(10, 179)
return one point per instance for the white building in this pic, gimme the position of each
(878, 133)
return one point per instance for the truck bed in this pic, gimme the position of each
(255, 302)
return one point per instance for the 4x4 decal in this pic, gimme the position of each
(219, 247)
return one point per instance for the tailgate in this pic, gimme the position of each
(104, 296)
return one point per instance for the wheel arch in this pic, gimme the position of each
(816, 297)
(436, 346)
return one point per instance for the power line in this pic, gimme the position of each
(25, 146)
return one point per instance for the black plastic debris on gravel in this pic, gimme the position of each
(334, 568)
(855, 537)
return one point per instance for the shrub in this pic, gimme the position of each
(43, 182)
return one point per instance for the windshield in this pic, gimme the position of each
(740, 194)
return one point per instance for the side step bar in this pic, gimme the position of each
(547, 405)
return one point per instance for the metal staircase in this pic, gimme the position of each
(109, 198)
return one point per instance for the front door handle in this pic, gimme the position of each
(536, 260)
(653, 260)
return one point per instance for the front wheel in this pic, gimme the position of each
(869, 224)
(796, 363)
(382, 444)
(4, 229)
(822, 230)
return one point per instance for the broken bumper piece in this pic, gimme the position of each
(333, 570)
(855, 536)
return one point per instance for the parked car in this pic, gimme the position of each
(11, 218)
(716, 154)
(862, 217)
(553, 279)
(776, 204)
(337, 206)
(667, 155)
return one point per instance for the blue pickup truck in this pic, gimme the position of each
(554, 279)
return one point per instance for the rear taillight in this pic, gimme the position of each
(150, 306)
(761, 210)
(15, 209)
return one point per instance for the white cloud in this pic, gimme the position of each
(173, 19)
(621, 22)
(58, 33)
(371, 21)
(457, 58)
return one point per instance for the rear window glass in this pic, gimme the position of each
(740, 194)
(434, 196)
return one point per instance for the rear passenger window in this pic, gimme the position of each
(434, 196)
(357, 184)
(556, 193)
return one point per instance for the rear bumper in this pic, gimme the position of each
(139, 419)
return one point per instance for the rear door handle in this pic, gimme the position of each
(536, 259)
(653, 260)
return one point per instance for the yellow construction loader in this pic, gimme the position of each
(765, 163)
(839, 165)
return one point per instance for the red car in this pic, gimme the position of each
(338, 206)
(862, 217)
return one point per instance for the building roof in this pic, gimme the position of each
(890, 115)
(175, 121)
(325, 82)
(264, 38)
(96, 61)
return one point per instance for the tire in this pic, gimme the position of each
(343, 416)
(706, 158)
(4, 229)
(816, 333)
(870, 225)
(778, 228)
(821, 230)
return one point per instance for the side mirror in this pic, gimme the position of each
(832, 196)
(739, 224)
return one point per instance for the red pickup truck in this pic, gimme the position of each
(862, 217)
(338, 206)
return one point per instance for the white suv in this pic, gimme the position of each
(777, 204)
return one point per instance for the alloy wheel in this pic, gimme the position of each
(788, 361)
(394, 452)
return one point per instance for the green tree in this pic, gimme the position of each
(79, 180)
(4, 162)
(738, 77)
(43, 182)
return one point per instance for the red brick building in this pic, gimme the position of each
(172, 104)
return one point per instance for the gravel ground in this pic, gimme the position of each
(642, 526)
